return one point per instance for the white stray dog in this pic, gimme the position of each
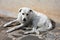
(40, 22)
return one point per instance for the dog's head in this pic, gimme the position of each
(26, 14)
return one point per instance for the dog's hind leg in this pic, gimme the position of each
(32, 31)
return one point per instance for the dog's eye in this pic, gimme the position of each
(20, 10)
(22, 13)
(27, 14)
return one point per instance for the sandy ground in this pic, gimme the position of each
(18, 34)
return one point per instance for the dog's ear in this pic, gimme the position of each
(30, 10)
(20, 10)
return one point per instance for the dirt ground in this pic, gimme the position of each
(10, 8)
(18, 34)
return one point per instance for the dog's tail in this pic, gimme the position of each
(51, 25)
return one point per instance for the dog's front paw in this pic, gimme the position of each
(4, 25)
(40, 36)
(26, 33)
(8, 31)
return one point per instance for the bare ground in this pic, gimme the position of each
(18, 34)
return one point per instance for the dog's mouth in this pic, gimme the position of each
(24, 21)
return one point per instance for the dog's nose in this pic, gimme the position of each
(24, 19)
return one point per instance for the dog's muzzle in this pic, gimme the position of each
(24, 19)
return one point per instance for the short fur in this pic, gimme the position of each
(40, 22)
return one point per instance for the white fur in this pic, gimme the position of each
(37, 19)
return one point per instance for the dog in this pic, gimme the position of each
(27, 16)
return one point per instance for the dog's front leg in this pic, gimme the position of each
(5, 25)
(14, 28)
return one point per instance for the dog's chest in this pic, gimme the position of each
(29, 24)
